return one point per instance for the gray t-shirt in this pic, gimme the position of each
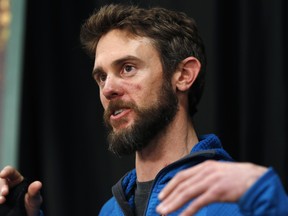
(142, 192)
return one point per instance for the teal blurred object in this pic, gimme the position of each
(11, 70)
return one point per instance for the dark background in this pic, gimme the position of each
(62, 136)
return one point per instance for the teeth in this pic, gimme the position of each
(117, 112)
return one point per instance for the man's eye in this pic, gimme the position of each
(101, 78)
(128, 68)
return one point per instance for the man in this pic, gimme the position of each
(150, 66)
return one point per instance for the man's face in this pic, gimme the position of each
(138, 103)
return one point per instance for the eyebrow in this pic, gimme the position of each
(116, 62)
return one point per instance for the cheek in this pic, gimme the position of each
(137, 92)
(138, 87)
(133, 88)
(104, 101)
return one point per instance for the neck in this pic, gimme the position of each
(169, 146)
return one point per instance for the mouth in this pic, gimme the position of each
(117, 112)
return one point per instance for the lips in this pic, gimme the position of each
(117, 112)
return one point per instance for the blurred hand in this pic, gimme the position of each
(208, 182)
(9, 178)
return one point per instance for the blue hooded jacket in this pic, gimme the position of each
(266, 197)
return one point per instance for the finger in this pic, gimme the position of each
(12, 175)
(2, 199)
(3, 187)
(33, 198)
(190, 188)
(176, 180)
(185, 190)
(197, 204)
(179, 200)
(180, 177)
(185, 174)
(4, 190)
(34, 190)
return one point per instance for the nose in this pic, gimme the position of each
(112, 88)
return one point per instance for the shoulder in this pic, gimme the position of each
(108, 208)
(266, 197)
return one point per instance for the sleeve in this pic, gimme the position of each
(108, 208)
(266, 197)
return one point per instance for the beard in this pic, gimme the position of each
(149, 122)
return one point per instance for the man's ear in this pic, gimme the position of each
(187, 73)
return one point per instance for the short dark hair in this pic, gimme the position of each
(174, 35)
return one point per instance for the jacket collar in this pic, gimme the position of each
(208, 147)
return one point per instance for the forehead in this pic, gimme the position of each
(119, 43)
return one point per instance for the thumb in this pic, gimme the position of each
(33, 199)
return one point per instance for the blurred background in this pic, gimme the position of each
(51, 125)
